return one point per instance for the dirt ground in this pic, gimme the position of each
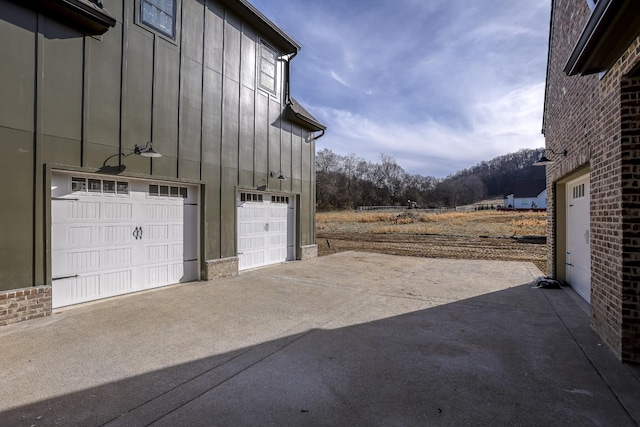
(338, 238)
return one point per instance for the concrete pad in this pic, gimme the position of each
(351, 338)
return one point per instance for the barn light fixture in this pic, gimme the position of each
(278, 175)
(544, 160)
(146, 151)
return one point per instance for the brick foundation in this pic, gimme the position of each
(219, 268)
(308, 252)
(24, 304)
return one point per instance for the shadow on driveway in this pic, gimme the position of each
(517, 356)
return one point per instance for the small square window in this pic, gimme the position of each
(183, 192)
(95, 185)
(174, 191)
(78, 184)
(123, 187)
(153, 190)
(109, 186)
(164, 190)
(159, 15)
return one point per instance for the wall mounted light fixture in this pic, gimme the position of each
(146, 151)
(278, 175)
(546, 161)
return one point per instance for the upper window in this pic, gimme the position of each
(268, 58)
(159, 15)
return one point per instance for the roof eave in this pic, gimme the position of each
(85, 16)
(304, 121)
(252, 15)
(611, 28)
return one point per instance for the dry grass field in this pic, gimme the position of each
(462, 235)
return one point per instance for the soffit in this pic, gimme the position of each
(611, 28)
(85, 15)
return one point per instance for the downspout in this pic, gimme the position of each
(287, 83)
(319, 136)
(287, 87)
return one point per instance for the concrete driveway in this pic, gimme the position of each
(347, 339)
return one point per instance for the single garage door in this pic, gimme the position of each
(578, 237)
(112, 236)
(265, 229)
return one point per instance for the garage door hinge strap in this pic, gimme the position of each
(64, 277)
(64, 198)
(188, 260)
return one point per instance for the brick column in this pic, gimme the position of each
(630, 173)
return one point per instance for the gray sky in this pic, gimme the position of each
(439, 85)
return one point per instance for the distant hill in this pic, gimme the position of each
(345, 182)
(499, 174)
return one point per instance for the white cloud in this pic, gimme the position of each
(339, 79)
(440, 85)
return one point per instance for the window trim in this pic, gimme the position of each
(158, 32)
(276, 83)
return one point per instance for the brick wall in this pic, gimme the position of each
(24, 304)
(583, 115)
(630, 183)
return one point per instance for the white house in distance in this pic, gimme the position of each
(527, 194)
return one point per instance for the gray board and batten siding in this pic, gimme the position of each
(74, 97)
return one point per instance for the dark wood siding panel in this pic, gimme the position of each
(191, 110)
(102, 119)
(62, 151)
(274, 141)
(16, 217)
(296, 160)
(212, 117)
(232, 30)
(192, 29)
(248, 58)
(166, 98)
(262, 133)
(307, 201)
(285, 150)
(305, 231)
(189, 169)
(228, 211)
(230, 124)
(17, 66)
(211, 222)
(137, 95)
(213, 36)
(62, 81)
(247, 132)
(114, 7)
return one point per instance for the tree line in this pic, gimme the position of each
(349, 181)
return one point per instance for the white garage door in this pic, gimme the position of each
(265, 229)
(578, 245)
(111, 236)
